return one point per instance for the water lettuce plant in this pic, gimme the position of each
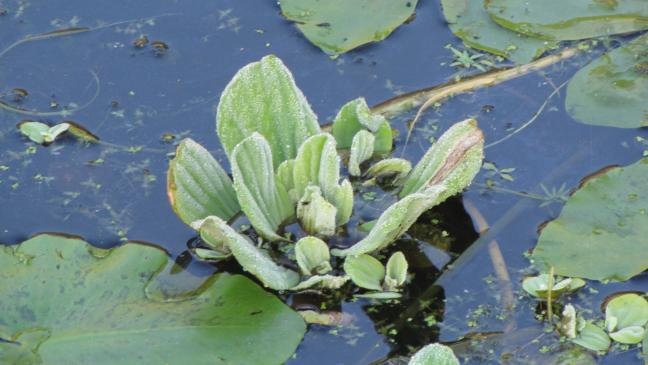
(286, 170)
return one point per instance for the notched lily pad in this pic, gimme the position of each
(600, 233)
(65, 302)
(338, 26)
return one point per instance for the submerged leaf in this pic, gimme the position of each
(395, 221)
(469, 21)
(198, 186)
(265, 203)
(362, 149)
(355, 116)
(313, 256)
(569, 20)
(337, 26)
(250, 257)
(315, 214)
(613, 89)
(434, 354)
(453, 161)
(365, 271)
(262, 97)
(72, 303)
(600, 233)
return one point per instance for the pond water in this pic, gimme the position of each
(133, 98)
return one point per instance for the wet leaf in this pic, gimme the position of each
(355, 116)
(396, 271)
(262, 97)
(198, 186)
(613, 89)
(434, 354)
(469, 21)
(630, 335)
(626, 310)
(592, 337)
(365, 271)
(380, 295)
(337, 26)
(362, 149)
(453, 161)
(569, 20)
(66, 302)
(600, 233)
(285, 173)
(35, 131)
(395, 221)
(313, 256)
(265, 203)
(538, 286)
(253, 259)
(321, 282)
(390, 166)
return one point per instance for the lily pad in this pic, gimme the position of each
(66, 302)
(600, 233)
(613, 89)
(469, 21)
(338, 26)
(570, 20)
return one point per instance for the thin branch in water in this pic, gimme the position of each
(428, 97)
(530, 121)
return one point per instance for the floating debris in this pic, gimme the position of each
(140, 42)
(159, 47)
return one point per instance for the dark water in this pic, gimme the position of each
(141, 95)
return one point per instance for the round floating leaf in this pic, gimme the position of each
(469, 21)
(265, 203)
(337, 26)
(626, 310)
(313, 256)
(253, 259)
(198, 186)
(65, 302)
(434, 354)
(570, 20)
(262, 97)
(365, 271)
(592, 337)
(613, 89)
(601, 232)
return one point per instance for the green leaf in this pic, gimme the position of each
(630, 335)
(315, 214)
(613, 89)
(285, 173)
(66, 302)
(395, 221)
(396, 272)
(362, 149)
(434, 354)
(592, 337)
(365, 271)
(313, 256)
(253, 259)
(198, 186)
(390, 166)
(318, 164)
(572, 20)
(355, 116)
(337, 26)
(321, 282)
(538, 286)
(262, 97)
(35, 131)
(53, 132)
(81, 132)
(265, 203)
(469, 21)
(600, 233)
(379, 295)
(626, 310)
(208, 228)
(453, 161)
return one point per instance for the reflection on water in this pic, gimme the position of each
(147, 96)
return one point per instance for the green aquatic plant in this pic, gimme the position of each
(434, 354)
(286, 170)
